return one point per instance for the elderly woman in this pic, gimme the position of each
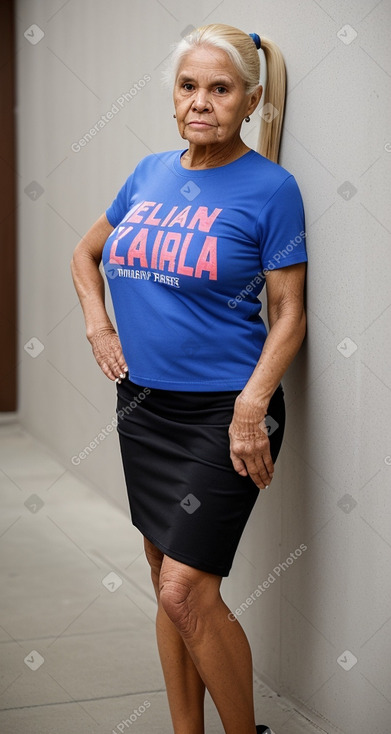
(187, 246)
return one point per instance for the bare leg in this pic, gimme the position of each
(218, 646)
(185, 688)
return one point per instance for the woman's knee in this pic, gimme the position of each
(186, 594)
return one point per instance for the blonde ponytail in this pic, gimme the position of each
(273, 101)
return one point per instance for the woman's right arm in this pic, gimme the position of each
(90, 288)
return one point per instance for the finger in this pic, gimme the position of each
(116, 368)
(258, 472)
(264, 462)
(107, 371)
(268, 461)
(238, 464)
(264, 465)
(109, 374)
(261, 484)
(118, 354)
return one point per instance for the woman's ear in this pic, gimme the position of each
(255, 97)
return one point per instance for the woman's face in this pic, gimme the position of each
(209, 97)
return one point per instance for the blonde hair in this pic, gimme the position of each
(243, 53)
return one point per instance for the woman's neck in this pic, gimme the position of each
(212, 156)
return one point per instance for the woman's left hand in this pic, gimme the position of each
(249, 442)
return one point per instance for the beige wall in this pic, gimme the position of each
(331, 488)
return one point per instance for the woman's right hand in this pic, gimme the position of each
(108, 353)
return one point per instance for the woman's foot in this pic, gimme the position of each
(262, 729)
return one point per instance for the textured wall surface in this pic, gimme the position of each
(318, 544)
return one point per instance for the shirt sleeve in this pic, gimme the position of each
(281, 228)
(121, 204)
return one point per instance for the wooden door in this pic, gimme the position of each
(8, 260)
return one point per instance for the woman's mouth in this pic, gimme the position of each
(199, 123)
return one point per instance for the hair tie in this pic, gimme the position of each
(256, 39)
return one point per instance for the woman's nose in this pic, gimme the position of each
(201, 101)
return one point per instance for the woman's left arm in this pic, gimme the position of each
(249, 442)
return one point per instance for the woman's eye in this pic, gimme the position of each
(221, 90)
(188, 87)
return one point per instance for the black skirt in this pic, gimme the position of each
(184, 494)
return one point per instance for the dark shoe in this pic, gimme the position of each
(262, 729)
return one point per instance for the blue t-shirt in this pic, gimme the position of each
(186, 261)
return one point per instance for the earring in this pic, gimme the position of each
(247, 119)
(174, 116)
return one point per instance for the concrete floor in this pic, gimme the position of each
(77, 641)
